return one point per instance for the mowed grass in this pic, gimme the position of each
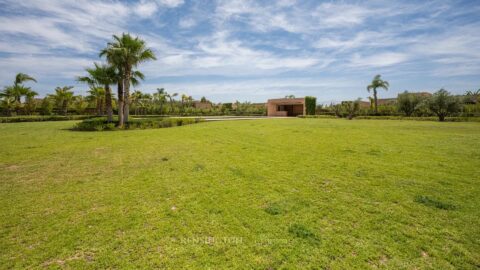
(258, 194)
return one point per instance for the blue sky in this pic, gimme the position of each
(251, 50)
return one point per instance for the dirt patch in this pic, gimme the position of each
(13, 168)
(86, 256)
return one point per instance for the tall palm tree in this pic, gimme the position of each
(171, 98)
(160, 97)
(20, 78)
(63, 96)
(125, 53)
(105, 76)
(377, 83)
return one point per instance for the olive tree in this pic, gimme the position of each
(407, 103)
(351, 108)
(443, 104)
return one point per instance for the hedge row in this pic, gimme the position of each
(310, 105)
(101, 123)
(421, 118)
(41, 118)
(424, 118)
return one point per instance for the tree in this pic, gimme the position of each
(80, 104)
(105, 76)
(443, 104)
(351, 108)
(20, 78)
(63, 96)
(171, 98)
(160, 97)
(9, 104)
(203, 100)
(139, 100)
(97, 96)
(377, 83)
(472, 96)
(125, 53)
(407, 103)
(47, 106)
(30, 104)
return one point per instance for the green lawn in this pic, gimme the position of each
(261, 194)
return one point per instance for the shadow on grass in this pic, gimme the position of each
(434, 203)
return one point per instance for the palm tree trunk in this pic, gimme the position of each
(108, 103)
(376, 102)
(120, 103)
(126, 106)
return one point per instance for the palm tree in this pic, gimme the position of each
(63, 96)
(97, 95)
(125, 53)
(184, 100)
(170, 97)
(80, 104)
(377, 82)
(473, 96)
(20, 78)
(136, 99)
(30, 104)
(9, 104)
(189, 101)
(160, 97)
(15, 91)
(102, 75)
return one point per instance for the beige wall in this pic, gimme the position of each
(298, 108)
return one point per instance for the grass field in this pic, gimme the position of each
(261, 194)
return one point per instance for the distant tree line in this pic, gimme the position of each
(441, 104)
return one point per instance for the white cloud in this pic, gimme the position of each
(187, 22)
(170, 3)
(378, 60)
(145, 8)
(340, 15)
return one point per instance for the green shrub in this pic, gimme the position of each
(423, 118)
(443, 104)
(41, 118)
(101, 123)
(407, 103)
(310, 105)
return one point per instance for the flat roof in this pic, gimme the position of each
(287, 100)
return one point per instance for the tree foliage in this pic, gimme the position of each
(443, 104)
(407, 103)
(310, 105)
(377, 83)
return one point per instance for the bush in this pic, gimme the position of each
(36, 118)
(101, 123)
(351, 108)
(443, 104)
(418, 118)
(310, 105)
(407, 103)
